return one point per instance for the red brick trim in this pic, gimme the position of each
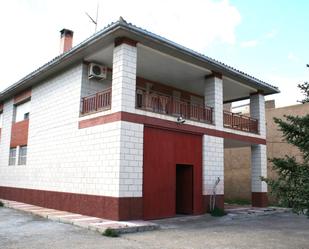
(258, 92)
(122, 40)
(23, 96)
(219, 202)
(165, 124)
(109, 118)
(123, 208)
(19, 133)
(214, 74)
(259, 199)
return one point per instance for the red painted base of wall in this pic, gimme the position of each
(113, 208)
(259, 199)
(219, 202)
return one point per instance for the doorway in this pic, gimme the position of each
(184, 189)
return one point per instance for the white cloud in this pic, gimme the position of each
(31, 27)
(290, 93)
(249, 44)
(272, 34)
(292, 57)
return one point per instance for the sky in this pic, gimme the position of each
(266, 39)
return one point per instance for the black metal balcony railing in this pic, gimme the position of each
(165, 104)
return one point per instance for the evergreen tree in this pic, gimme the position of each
(291, 187)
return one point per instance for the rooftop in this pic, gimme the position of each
(109, 33)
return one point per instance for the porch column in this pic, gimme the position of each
(258, 153)
(213, 168)
(124, 75)
(258, 169)
(213, 97)
(257, 110)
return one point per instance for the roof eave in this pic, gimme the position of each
(30, 79)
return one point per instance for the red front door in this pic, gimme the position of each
(184, 189)
(163, 150)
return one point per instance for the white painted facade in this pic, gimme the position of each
(61, 157)
(106, 159)
(213, 164)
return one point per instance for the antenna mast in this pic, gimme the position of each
(95, 21)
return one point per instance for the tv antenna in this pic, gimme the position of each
(95, 21)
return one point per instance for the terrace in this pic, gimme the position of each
(158, 102)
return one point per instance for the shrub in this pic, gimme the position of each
(218, 212)
(238, 201)
(109, 232)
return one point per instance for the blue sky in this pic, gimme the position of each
(272, 44)
(267, 39)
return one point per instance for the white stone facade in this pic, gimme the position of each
(131, 160)
(5, 140)
(257, 110)
(213, 93)
(213, 164)
(258, 168)
(107, 159)
(101, 160)
(124, 78)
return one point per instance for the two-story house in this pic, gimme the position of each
(128, 125)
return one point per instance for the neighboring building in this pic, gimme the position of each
(237, 168)
(141, 137)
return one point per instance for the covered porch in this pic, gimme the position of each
(165, 84)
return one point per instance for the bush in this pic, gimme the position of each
(238, 201)
(291, 187)
(1, 204)
(109, 232)
(218, 212)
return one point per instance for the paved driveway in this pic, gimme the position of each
(20, 230)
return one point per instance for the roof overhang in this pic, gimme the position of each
(121, 28)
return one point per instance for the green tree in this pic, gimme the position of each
(304, 88)
(291, 186)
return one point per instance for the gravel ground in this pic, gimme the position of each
(285, 230)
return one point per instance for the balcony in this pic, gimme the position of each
(240, 122)
(100, 101)
(165, 104)
(169, 105)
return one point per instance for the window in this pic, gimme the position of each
(1, 116)
(22, 157)
(26, 115)
(22, 111)
(12, 157)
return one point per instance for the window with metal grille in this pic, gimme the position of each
(22, 157)
(12, 156)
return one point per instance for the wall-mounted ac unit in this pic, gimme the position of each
(97, 71)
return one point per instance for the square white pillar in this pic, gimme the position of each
(257, 110)
(213, 164)
(124, 77)
(213, 97)
(258, 167)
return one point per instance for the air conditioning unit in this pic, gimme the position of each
(97, 71)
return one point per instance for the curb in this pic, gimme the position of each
(87, 222)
